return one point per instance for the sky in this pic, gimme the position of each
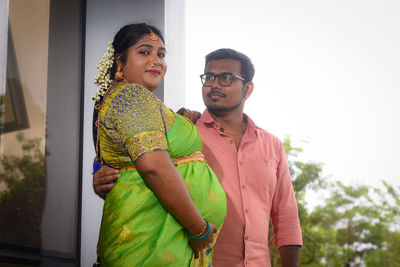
(327, 75)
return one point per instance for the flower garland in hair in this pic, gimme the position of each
(102, 78)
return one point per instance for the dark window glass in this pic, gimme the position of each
(40, 134)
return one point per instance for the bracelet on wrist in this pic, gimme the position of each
(203, 234)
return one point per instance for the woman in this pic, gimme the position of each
(167, 203)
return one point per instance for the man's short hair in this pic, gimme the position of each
(247, 68)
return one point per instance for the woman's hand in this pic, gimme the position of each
(197, 246)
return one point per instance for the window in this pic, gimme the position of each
(40, 134)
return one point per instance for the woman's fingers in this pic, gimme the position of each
(213, 228)
(196, 253)
(198, 246)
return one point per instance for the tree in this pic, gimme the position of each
(21, 204)
(355, 226)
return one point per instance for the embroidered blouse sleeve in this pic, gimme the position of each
(135, 114)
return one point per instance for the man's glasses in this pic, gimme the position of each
(224, 79)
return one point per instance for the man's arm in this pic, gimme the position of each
(290, 256)
(284, 215)
(102, 179)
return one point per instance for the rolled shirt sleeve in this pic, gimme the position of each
(258, 187)
(284, 213)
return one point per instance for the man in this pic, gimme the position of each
(250, 164)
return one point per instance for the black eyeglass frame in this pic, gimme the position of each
(219, 75)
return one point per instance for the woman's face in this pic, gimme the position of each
(145, 63)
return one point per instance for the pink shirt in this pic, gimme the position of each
(258, 187)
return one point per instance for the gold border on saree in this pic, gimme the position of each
(196, 156)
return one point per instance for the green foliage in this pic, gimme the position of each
(21, 204)
(356, 225)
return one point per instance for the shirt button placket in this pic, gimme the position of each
(241, 178)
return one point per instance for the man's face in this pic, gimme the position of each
(218, 98)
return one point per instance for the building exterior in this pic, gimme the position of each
(49, 49)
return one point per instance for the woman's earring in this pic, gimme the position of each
(119, 76)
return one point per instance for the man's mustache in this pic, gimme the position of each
(216, 93)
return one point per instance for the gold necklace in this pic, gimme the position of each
(231, 134)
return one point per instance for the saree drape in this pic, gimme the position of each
(136, 229)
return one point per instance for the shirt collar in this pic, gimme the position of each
(208, 121)
(206, 118)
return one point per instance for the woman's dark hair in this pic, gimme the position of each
(127, 36)
(247, 69)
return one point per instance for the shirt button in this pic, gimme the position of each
(230, 142)
(246, 211)
(240, 163)
(243, 187)
(245, 238)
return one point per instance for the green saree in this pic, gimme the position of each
(136, 229)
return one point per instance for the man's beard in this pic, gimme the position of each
(215, 109)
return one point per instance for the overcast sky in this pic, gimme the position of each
(327, 72)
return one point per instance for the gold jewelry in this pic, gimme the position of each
(119, 75)
(203, 230)
(153, 36)
(235, 134)
(153, 64)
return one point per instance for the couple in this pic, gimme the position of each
(167, 206)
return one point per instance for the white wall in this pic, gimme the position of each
(175, 27)
(104, 18)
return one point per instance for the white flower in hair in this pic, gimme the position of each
(102, 78)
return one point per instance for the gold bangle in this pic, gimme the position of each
(203, 230)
